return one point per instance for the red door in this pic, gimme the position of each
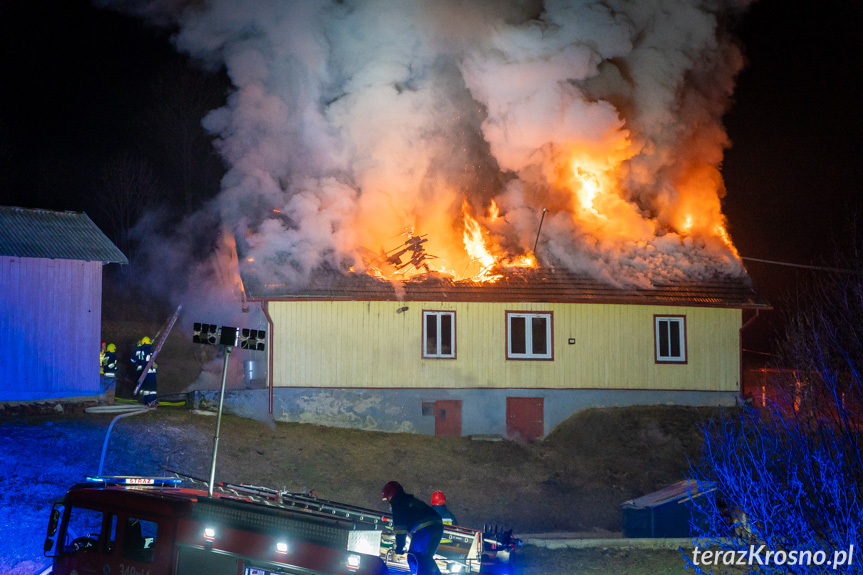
(447, 417)
(525, 418)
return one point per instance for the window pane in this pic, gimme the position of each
(538, 333)
(431, 334)
(139, 539)
(662, 333)
(517, 335)
(84, 530)
(674, 328)
(446, 334)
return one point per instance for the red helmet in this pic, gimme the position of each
(438, 498)
(391, 489)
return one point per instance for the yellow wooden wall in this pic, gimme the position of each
(368, 344)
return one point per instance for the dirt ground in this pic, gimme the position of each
(573, 481)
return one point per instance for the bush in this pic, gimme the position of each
(789, 476)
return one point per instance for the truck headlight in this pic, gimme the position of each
(354, 562)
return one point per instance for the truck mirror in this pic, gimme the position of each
(53, 523)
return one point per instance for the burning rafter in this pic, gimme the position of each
(413, 246)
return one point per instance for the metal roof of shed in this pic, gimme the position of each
(538, 285)
(35, 233)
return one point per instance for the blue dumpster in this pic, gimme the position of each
(664, 513)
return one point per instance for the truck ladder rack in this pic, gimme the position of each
(377, 519)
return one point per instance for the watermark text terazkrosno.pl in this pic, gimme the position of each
(761, 555)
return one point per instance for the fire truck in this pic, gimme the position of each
(171, 526)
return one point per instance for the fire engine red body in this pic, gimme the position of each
(199, 534)
(97, 529)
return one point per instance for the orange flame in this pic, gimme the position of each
(475, 246)
(594, 189)
(493, 212)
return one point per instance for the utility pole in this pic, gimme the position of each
(227, 338)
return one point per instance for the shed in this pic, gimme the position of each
(51, 304)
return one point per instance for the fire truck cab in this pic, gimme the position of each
(153, 526)
(148, 526)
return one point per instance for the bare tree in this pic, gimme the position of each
(789, 477)
(127, 191)
(182, 96)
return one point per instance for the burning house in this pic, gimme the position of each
(479, 217)
(513, 357)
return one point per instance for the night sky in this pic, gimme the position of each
(82, 85)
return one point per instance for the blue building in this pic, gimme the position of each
(51, 304)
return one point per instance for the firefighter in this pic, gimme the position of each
(438, 502)
(141, 357)
(109, 373)
(102, 358)
(412, 516)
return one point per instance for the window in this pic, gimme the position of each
(439, 334)
(83, 531)
(528, 335)
(139, 538)
(670, 335)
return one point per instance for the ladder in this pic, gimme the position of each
(361, 515)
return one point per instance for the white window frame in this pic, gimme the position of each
(436, 316)
(529, 353)
(662, 329)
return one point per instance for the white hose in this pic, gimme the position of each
(108, 434)
(116, 408)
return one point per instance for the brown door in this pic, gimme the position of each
(447, 417)
(524, 418)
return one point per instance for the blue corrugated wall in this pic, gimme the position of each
(50, 322)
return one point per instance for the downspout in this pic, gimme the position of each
(269, 354)
(740, 345)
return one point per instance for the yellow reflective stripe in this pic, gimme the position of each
(422, 525)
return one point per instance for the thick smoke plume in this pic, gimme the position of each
(354, 124)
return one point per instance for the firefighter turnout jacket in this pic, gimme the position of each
(409, 516)
(109, 364)
(445, 514)
(141, 356)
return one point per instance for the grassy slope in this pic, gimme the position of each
(575, 480)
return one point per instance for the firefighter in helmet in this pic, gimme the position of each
(102, 358)
(413, 517)
(141, 358)
(438, 502)
(109, 373)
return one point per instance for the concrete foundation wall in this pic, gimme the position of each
(400, 410)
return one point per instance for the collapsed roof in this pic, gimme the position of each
(533, 285)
